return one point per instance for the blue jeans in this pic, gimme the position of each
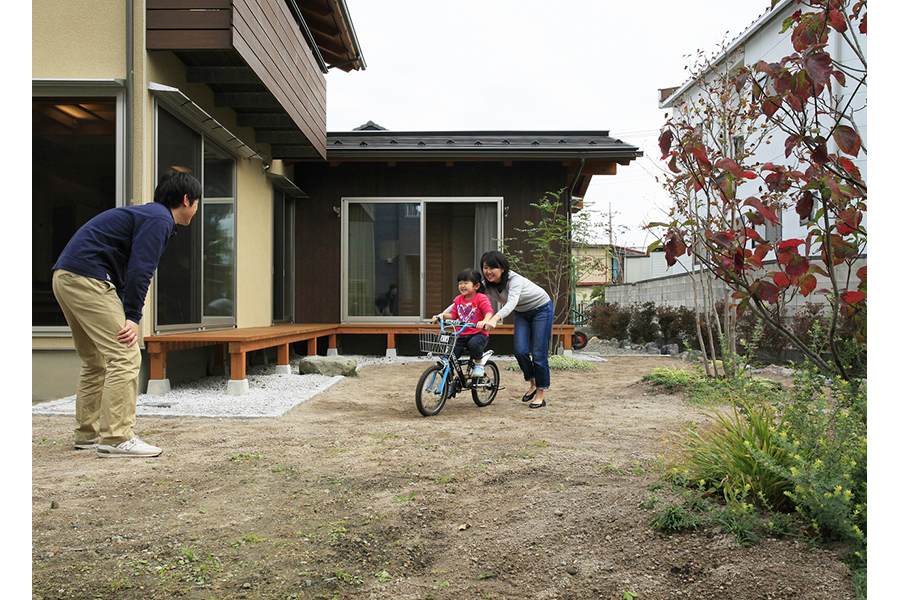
(531, 343)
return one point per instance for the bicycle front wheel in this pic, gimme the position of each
(485, 388)
(432, 391)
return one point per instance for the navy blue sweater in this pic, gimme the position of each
(123, 246)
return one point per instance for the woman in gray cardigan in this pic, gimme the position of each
(532, 325)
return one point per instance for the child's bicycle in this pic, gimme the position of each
(450, 375)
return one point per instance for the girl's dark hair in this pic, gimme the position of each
(496, 260)
(471, 276)
(174, 186)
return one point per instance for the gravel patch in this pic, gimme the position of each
(270, 395)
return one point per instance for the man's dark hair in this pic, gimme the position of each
(174, 186)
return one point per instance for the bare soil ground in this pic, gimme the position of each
(353, 494)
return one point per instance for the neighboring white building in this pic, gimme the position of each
(763, 40)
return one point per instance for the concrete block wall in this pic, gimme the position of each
(678, 290)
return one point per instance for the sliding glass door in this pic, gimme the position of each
(401, 256)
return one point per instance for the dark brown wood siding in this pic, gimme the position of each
(264, 35)
(318, 260)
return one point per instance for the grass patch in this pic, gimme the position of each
(703, 390)
(561, 363)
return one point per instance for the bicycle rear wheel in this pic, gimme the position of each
(432, 391)
(485, 388)
(579, 340)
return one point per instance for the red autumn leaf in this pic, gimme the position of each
(818, 65)
(790, 143)
(665, 141)
(753, 234)
(849, 222)
(673, 165)
(766, 68)
(863, 26)
(837, 20)
(817, 269)
(853, 297)
(820, 154)
(749, 175)
(847, 139)
(792, 243)
(674, 248)
(805, 205)
(862, 273)
(761, 251)
(768, 292)
(728, 164)
(699, 152)
(807, 284)
(778, 182)
(781, 280)
(764, 210)
(771, 105)
(797, 266)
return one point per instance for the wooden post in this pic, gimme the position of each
(157, 365)
(332, 341)
(284, 353)
(390, 341)
(239, 365)
(312, 347)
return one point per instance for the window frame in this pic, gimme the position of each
(422, 202)
(99, 88)
(206, 322)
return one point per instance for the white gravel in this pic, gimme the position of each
(270, 395)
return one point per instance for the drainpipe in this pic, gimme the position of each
(129, 101)
(573, 288)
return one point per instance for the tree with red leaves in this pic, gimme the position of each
(811, 100)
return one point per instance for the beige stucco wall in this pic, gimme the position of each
(253, 211)
(78, 40)
(88, 42)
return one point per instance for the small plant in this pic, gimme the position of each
(626, 595)
(245, 456)
(382, 576)
(402, 498)
(673, 519)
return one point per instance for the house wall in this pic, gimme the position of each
(318, 226)
(767, 43)
(87, 40)
(78, 40)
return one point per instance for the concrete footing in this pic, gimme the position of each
(236, 387)
(282, 369)
(158, 387)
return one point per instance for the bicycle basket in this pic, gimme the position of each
(436, 341)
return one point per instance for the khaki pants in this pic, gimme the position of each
(108, 383)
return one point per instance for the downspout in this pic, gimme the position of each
(573, 292)
(129, 99)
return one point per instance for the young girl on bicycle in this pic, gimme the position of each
(471, 306)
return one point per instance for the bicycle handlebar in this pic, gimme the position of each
(462, 325)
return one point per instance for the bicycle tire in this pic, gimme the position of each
(430, 394)
(579, 340)
(487, 386)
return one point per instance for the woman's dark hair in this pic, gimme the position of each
(174, 186)
(471, 276)
(495, 259)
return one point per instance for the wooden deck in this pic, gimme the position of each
(236, 343)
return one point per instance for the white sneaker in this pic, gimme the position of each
(478, 371)
(135, 447)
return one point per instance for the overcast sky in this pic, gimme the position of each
(534, 64)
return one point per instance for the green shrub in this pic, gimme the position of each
(824, 444)
(610, 321)
(703, 390)
(677, 324)
(643, 327)
(561, 363)
(719, 455)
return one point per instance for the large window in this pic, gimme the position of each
(75, 176)
(283, 259)
(195, 281)
(401, 256)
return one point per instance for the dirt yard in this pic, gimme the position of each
(353, 494)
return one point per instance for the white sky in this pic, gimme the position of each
(535, 64)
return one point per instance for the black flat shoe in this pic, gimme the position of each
(541, 405)
(528, 397)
